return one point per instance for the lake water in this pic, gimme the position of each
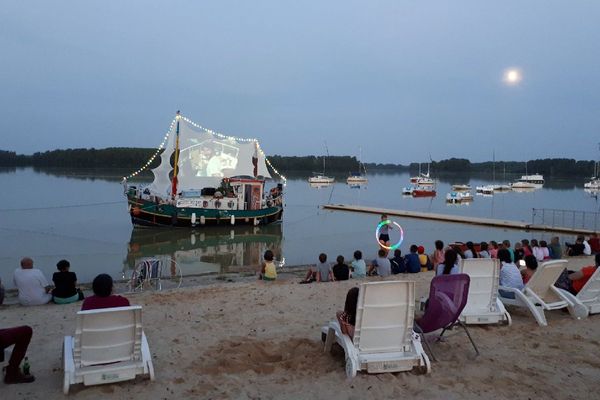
(82, 216)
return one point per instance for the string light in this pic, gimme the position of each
(218, 134)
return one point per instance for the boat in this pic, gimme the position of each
(214, 180)
(359, 177)
(485, 189)
(320, 177)
(459, 197)
(408, 190)
(501, 188)
(461, 188)
(528, 181)
(594, 183)
(423, 192)
(423, 179)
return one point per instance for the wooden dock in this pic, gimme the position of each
(499, 223)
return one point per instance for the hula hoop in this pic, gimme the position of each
(381, 225)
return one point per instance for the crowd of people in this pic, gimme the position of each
(34, 289)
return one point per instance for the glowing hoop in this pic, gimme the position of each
(381, 225)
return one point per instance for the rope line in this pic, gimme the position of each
(59, 207)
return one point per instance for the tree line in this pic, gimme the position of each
(135, 157)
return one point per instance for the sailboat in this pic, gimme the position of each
(594, 183)
(534, 181)
(359, 177)
(498, 188)
(320, 178)
(423, 179)
(214, 180)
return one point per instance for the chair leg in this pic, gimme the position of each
(470, 338)
(420, 332)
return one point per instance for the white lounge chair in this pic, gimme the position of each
(109, 346)
(589, 294)
(384, 340)
(540, 293)
(483, 305)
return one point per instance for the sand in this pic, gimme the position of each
(248, 339)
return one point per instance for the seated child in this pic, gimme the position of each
(321, 272)
(424, 260)
(65, 282)
(397, 262)
(340, 271)
(358, 266)
(412, 262)
(531, 265)
(381, 265)
(268, 271)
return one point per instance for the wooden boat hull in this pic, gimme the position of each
(147, 213)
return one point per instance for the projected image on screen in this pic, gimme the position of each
(210, 158)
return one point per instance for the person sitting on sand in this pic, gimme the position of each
(531, 265)
(19, 336)
(32, 284)
(545, 250)
(493, 249)
(506, 245)
(65, 285)
(510, 276)
(483, 250)
(575, 249)
(321, 273)
(536, 250)
(594, 243)
(449, 266)
(103, 297)
(358, 266)
(424, 260)
(397, 262)
(527, 250)
(381, 265)
(470, 252)
(340, 271)
(411, 260)
(347, 318)
(268, 272)
(438, 254)
(555, 248)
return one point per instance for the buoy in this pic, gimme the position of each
(255, 221)
(202, 220)
(193, 239)
(136, 211)
(232, 220)
(193, 218)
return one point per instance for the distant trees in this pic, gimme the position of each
(134, 157)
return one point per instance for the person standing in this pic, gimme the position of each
(32, 284)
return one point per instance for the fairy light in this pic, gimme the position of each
(218, 134)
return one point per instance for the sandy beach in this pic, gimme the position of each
(248, 339)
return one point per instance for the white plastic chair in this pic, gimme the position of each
(540, 294)
(109, 346)
(384, 340)
(483, 305)
(589, 294)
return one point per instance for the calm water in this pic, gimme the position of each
(83, 218)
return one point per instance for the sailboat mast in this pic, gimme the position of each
(176, 162)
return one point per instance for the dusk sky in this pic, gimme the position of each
(401, 79)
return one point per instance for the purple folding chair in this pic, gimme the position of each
(447, 298)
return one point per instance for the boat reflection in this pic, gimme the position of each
(214, 250)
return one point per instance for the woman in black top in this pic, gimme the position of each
(65, 283)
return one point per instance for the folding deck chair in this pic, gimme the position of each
(589, 294)
(540, 294)
(384, 340)
(109, 346)
(483, 305)
(447, 299)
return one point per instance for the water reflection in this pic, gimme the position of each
(218, 250)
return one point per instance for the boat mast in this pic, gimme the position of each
(175, 169)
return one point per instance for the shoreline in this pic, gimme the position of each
(257, 339)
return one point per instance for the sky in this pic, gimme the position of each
(403, 80)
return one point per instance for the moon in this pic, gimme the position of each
(512, 76)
